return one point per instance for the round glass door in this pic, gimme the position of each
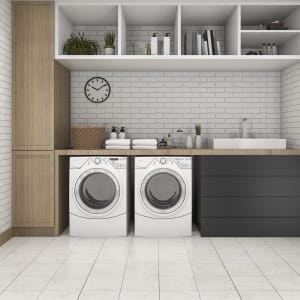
(163, 191)
(97, 191)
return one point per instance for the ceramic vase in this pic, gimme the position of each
(189, 142)
(198, 141)
(109, 51)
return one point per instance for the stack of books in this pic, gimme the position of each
(205, 43)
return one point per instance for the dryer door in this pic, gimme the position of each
(97, 191)
(163, 191)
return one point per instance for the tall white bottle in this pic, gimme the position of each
(154, 44)
(167, 44)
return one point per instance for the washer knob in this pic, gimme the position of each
(163, 161)
(97, 161)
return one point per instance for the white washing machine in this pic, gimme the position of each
(99, 198)
(163, 196)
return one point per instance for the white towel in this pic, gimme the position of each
(118, 142)
(144, 142)
(144, 147)
(112, 147)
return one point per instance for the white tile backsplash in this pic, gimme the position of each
(152, 104)
(290, 105)
(5, 115)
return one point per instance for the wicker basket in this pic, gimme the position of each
(88, 137)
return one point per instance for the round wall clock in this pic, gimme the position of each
(97, 89)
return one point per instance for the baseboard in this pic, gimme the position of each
(6, 235)
(33, 231)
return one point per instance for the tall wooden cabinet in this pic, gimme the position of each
(41, 117)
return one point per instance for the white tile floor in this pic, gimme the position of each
(150, 269)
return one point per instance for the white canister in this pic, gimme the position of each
(189, 142)
(167, 44)
(198, 141)
(154, 44)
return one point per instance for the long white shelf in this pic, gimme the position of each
(177, 62)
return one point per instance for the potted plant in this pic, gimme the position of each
(78, 44)
(198, 141)
(109, 47)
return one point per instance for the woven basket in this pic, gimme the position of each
(88, 137)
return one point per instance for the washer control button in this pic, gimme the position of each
(163, 161)
(97, 161)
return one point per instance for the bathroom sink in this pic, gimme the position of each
(247, 143)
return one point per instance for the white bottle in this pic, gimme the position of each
(244, 132)
(167, 44)
(113, 135)
(269, 49)
(189, 142)
(154, 44)
(122, 134)
(274, 49)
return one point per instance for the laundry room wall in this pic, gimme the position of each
(5, 115)
(290, 106)
(152, 104)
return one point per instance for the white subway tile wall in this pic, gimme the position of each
(5, 115)
(290, 106)
(152, 104)
(97, 34)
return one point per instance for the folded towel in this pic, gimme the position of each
(144, 142)
(143, 147)
(112, 147)
(118, 142)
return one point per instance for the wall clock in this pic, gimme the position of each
(97, 89)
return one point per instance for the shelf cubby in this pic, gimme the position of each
(254, 32)
(222, 19)
(92, 20)
(139, 22)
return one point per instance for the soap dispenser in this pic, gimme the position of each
(122, 134)
(169, 140)
(154, 44)
(113, 134)
(167, 44)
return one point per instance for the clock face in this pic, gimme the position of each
(97, 89)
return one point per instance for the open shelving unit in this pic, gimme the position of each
(234, 25)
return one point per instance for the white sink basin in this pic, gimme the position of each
(247, 143)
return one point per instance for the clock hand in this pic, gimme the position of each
(94, 88)
(102, 86)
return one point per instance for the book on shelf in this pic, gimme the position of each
(218, 44)
(205, 47)
(194, 43)
(199, 44)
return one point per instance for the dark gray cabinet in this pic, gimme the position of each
(247, 195)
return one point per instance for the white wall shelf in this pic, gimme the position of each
(236, 27)
(178, 63)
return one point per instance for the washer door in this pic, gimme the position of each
(163, 191)
(97, 191)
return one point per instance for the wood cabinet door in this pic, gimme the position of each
(33, 75)
(33, 188)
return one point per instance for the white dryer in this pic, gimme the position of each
(99, 201)
(163, 196)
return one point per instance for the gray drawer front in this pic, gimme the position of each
(250, 186)
(268, 227)
(232, 207)
(250, 165)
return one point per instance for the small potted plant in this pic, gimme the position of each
(78, 44)
(109, 47)
(198, 141)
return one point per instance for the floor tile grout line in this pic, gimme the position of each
(282, 257)
(125, 267)
(190, 262)
(27, 265)
(264, 275)
(91, 269)
(12, 251)
(224, 265)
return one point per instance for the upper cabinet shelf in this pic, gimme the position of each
(237, 30)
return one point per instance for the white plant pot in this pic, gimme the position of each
(189, 142)
(198, 141)
(109, 51)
